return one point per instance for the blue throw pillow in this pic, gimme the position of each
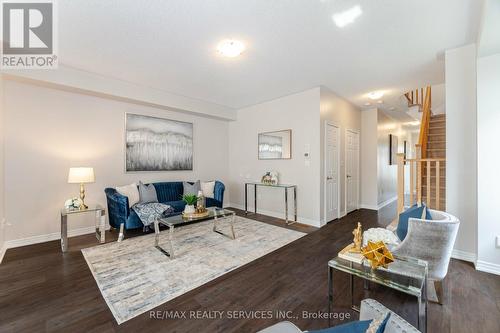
(377, 326)
(350, 327)
(415, 212)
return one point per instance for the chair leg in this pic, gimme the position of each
(438, 285)
(122, 232)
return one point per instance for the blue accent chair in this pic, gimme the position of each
(169, 193)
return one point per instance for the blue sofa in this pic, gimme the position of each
(169, 193)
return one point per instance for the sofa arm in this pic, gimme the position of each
(371, 309)
(118, 210)
(219, 191)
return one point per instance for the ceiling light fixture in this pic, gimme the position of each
(375, 95)
(347, 17)
(230, 48)
(367, 104)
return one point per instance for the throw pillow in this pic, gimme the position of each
(191, 188)
(131, 192)
(414, 211)
(147, 193)
(208, 189)
(350, 327)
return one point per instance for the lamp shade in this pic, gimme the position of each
(81, 175)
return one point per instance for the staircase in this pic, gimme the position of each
(428, 169)
(436, 148)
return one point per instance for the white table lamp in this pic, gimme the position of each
(81, 176)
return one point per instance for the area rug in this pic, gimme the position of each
(135, 277)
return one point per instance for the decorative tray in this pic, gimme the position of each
(195, 215)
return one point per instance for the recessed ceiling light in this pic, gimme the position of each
(230, 48)
(367, 104)
(375, 95)
(346, 17)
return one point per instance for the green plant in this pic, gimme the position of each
(190, 199)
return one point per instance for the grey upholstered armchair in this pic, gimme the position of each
(432, 241)
(370, 309)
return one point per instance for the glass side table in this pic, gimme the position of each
(100, 221)
(407, 275)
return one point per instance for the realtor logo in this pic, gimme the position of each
(28, 34)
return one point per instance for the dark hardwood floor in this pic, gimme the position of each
(42, 290)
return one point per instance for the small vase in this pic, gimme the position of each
(189, 209)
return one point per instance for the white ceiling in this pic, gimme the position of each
(292, 45)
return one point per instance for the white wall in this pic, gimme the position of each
(47, 131)
(379, 179)
(488, 160)
(386, 173)
(461, 146)
(2, 210)
(368, 168)
(298, 112)
(340, 112)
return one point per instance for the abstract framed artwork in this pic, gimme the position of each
(157, 144)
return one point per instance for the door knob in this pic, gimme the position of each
(348, 176)
(329, 178)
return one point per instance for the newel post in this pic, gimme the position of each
(401, 182)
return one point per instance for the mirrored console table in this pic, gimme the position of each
(99, 212)
(285, 187)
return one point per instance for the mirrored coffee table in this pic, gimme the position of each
(407, 275)
(215, 214)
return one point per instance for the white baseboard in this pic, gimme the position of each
(488, 267)
(48, 237)
(379, 206)
(371, 207)
(300, 219)
(3, 249)
(463, 255)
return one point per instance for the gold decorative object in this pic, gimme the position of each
(378, 254)
(200, 203)
(357, 240)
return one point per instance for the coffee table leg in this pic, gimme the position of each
(233, 216)
(330, 294)
(422, 309)
(231, 221)
(351, 280)
(157, 234)
(170, 252)
(171, 240)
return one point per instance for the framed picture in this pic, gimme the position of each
(393, 149)
(275, 145)
(157, 144)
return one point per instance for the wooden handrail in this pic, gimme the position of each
(425, 122)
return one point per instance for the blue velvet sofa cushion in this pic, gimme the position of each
(414, 211)
(169, 193)
(178, 205)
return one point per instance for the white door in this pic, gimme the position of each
(352, 170)
(331, 172)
